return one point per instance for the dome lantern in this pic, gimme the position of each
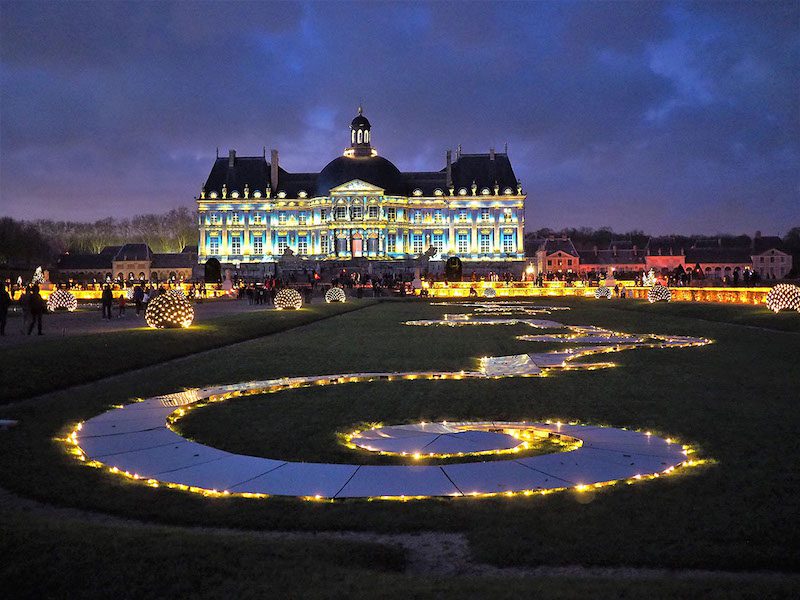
(360, 134)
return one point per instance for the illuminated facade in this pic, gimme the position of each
(360, 206)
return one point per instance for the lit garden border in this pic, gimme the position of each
(138, 440)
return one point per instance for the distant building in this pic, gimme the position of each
(769, 258)
(621, 257)
(361, 207)
(553, 255)
(131, 262)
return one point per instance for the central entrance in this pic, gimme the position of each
(357, 245)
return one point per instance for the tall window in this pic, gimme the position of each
(257, 218)
(508, 243)
(462, 216)
(323, 214)
(235, 218)
(484, 214)
(437, 241)
(302, 246)
(357, 212)
(485, 243)
(437, 216)
(302, 218)
(462, 242)
(507, 215)
(258, 245)
(323, 244)
(391, 213)
(236, 246)
(391, 242)
(416, 216)
(214, 218)
(372, 212)
(282, 245)
(213, 246)
(282, 218)
(341, 213)
(416, 243)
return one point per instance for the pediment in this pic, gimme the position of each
(357, 185)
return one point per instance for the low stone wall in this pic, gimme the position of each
(527, 289)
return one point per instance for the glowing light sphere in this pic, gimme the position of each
(602, 292)
(784, 297)
(659, 293)
(288, 299)
(489, 292)
(129, 293)
(169, 311)
(335, 294)
(62, 300)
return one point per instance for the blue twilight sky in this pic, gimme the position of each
(662, 116)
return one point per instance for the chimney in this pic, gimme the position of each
(458, 152)
(273, 173)
(231, 158)
(491, 153)
(595, 250)
(449, 168)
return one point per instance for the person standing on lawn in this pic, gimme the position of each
(5, 302)
(37, 307)
(107, 300)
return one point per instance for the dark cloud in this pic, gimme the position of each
(660, 116)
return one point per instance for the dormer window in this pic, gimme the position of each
(417, 192)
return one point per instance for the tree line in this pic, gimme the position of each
(585, 238)
(25, 243)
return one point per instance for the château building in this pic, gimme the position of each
(360, 206)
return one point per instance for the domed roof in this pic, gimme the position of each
(360, 122)
(373, 169)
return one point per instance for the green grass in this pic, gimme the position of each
(736, 398)
(320, 424)
(30, 370)
(64, 559)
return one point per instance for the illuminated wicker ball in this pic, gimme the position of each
(178, 292)
(489, 292)
(602, 292)
(335, 294)
(169, 310)
(62, 300)
(288, 299)
(659, 293)
(784, 297)
(129, 293)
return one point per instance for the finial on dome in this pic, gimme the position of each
(360, 109)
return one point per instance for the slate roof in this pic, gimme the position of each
(609, 257)
(88, 262)
(718, 255)
(765, 243)
(255, 172)
(172, 261)
(549, 246)
(133, 252)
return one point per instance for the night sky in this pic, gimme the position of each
(666, 117)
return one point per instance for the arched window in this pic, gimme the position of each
(360, 136)
(352, 136)
(366, 137)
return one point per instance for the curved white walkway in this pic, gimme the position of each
(135, 440)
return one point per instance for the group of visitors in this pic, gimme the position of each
(33, 307)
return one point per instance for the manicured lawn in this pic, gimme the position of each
(65, 361)
(736, 399)
(57, 559)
